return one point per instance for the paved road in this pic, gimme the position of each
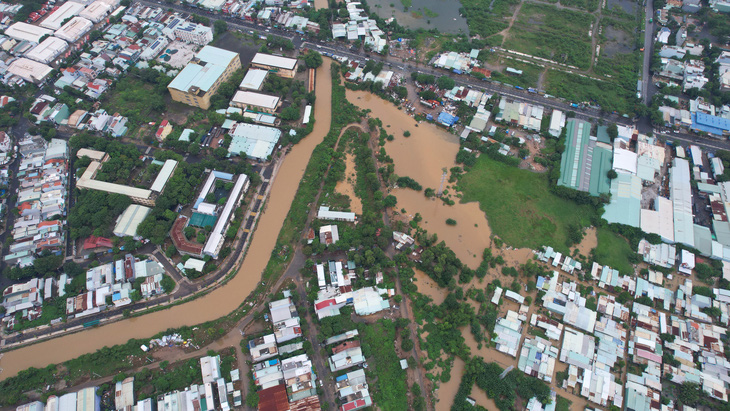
(342, 49)
(648, 47)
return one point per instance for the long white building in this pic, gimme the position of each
(218, 235)
(681, 196)
(74, 29)
(96, 11)
(24, 31)
(55, 20)
(48, 50)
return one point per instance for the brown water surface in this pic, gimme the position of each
(219, 302)
(347, 186)
(423, 156)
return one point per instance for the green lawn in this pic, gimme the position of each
(519, 206)
(557, 34)
(613, 251)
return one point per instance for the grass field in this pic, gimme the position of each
(557, 34)
(519, 206)
(580, 89)
(613, 251)
(529, 77)
(587, 5)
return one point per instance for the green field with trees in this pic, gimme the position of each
(519, 205)
(529, 77)
(484, 19)
(557, 34)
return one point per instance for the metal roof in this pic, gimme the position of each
(274, 61)
(130, 220)
(165, 173)
(254, 79)
(207, 67)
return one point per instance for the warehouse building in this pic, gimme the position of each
(130, 220)
(29, 70)
(202, 77)
(96, 11)
(281, 66)
(257, 142)
(625, 205)
(76, 28)
(55, 20)
(48, 50)
(585, 162)
(251, 101)
(22, 31)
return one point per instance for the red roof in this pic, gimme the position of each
(352, 405)
(94, 242)
(274, 399)
(178, 238)
(324, 304)
(49, 223)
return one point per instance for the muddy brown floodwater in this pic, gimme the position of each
(423, 156)
(347, 186)
(222, 300)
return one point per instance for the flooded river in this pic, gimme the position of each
(220, 301)
(422, 156)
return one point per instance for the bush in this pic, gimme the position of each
(450, 221)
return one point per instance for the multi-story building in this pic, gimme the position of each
(202, 77)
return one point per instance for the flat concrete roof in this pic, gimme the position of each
(274, 61)
(249, 98)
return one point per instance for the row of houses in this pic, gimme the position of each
(215, 393)
(572, 334)
(285, 377)
(41, 202)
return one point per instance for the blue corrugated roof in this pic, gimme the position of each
(710, 124)
(447, 119)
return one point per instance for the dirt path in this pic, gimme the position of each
(512, 19)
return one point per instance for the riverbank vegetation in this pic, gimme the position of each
(343, 113)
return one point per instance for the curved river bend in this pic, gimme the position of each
(220, 301)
